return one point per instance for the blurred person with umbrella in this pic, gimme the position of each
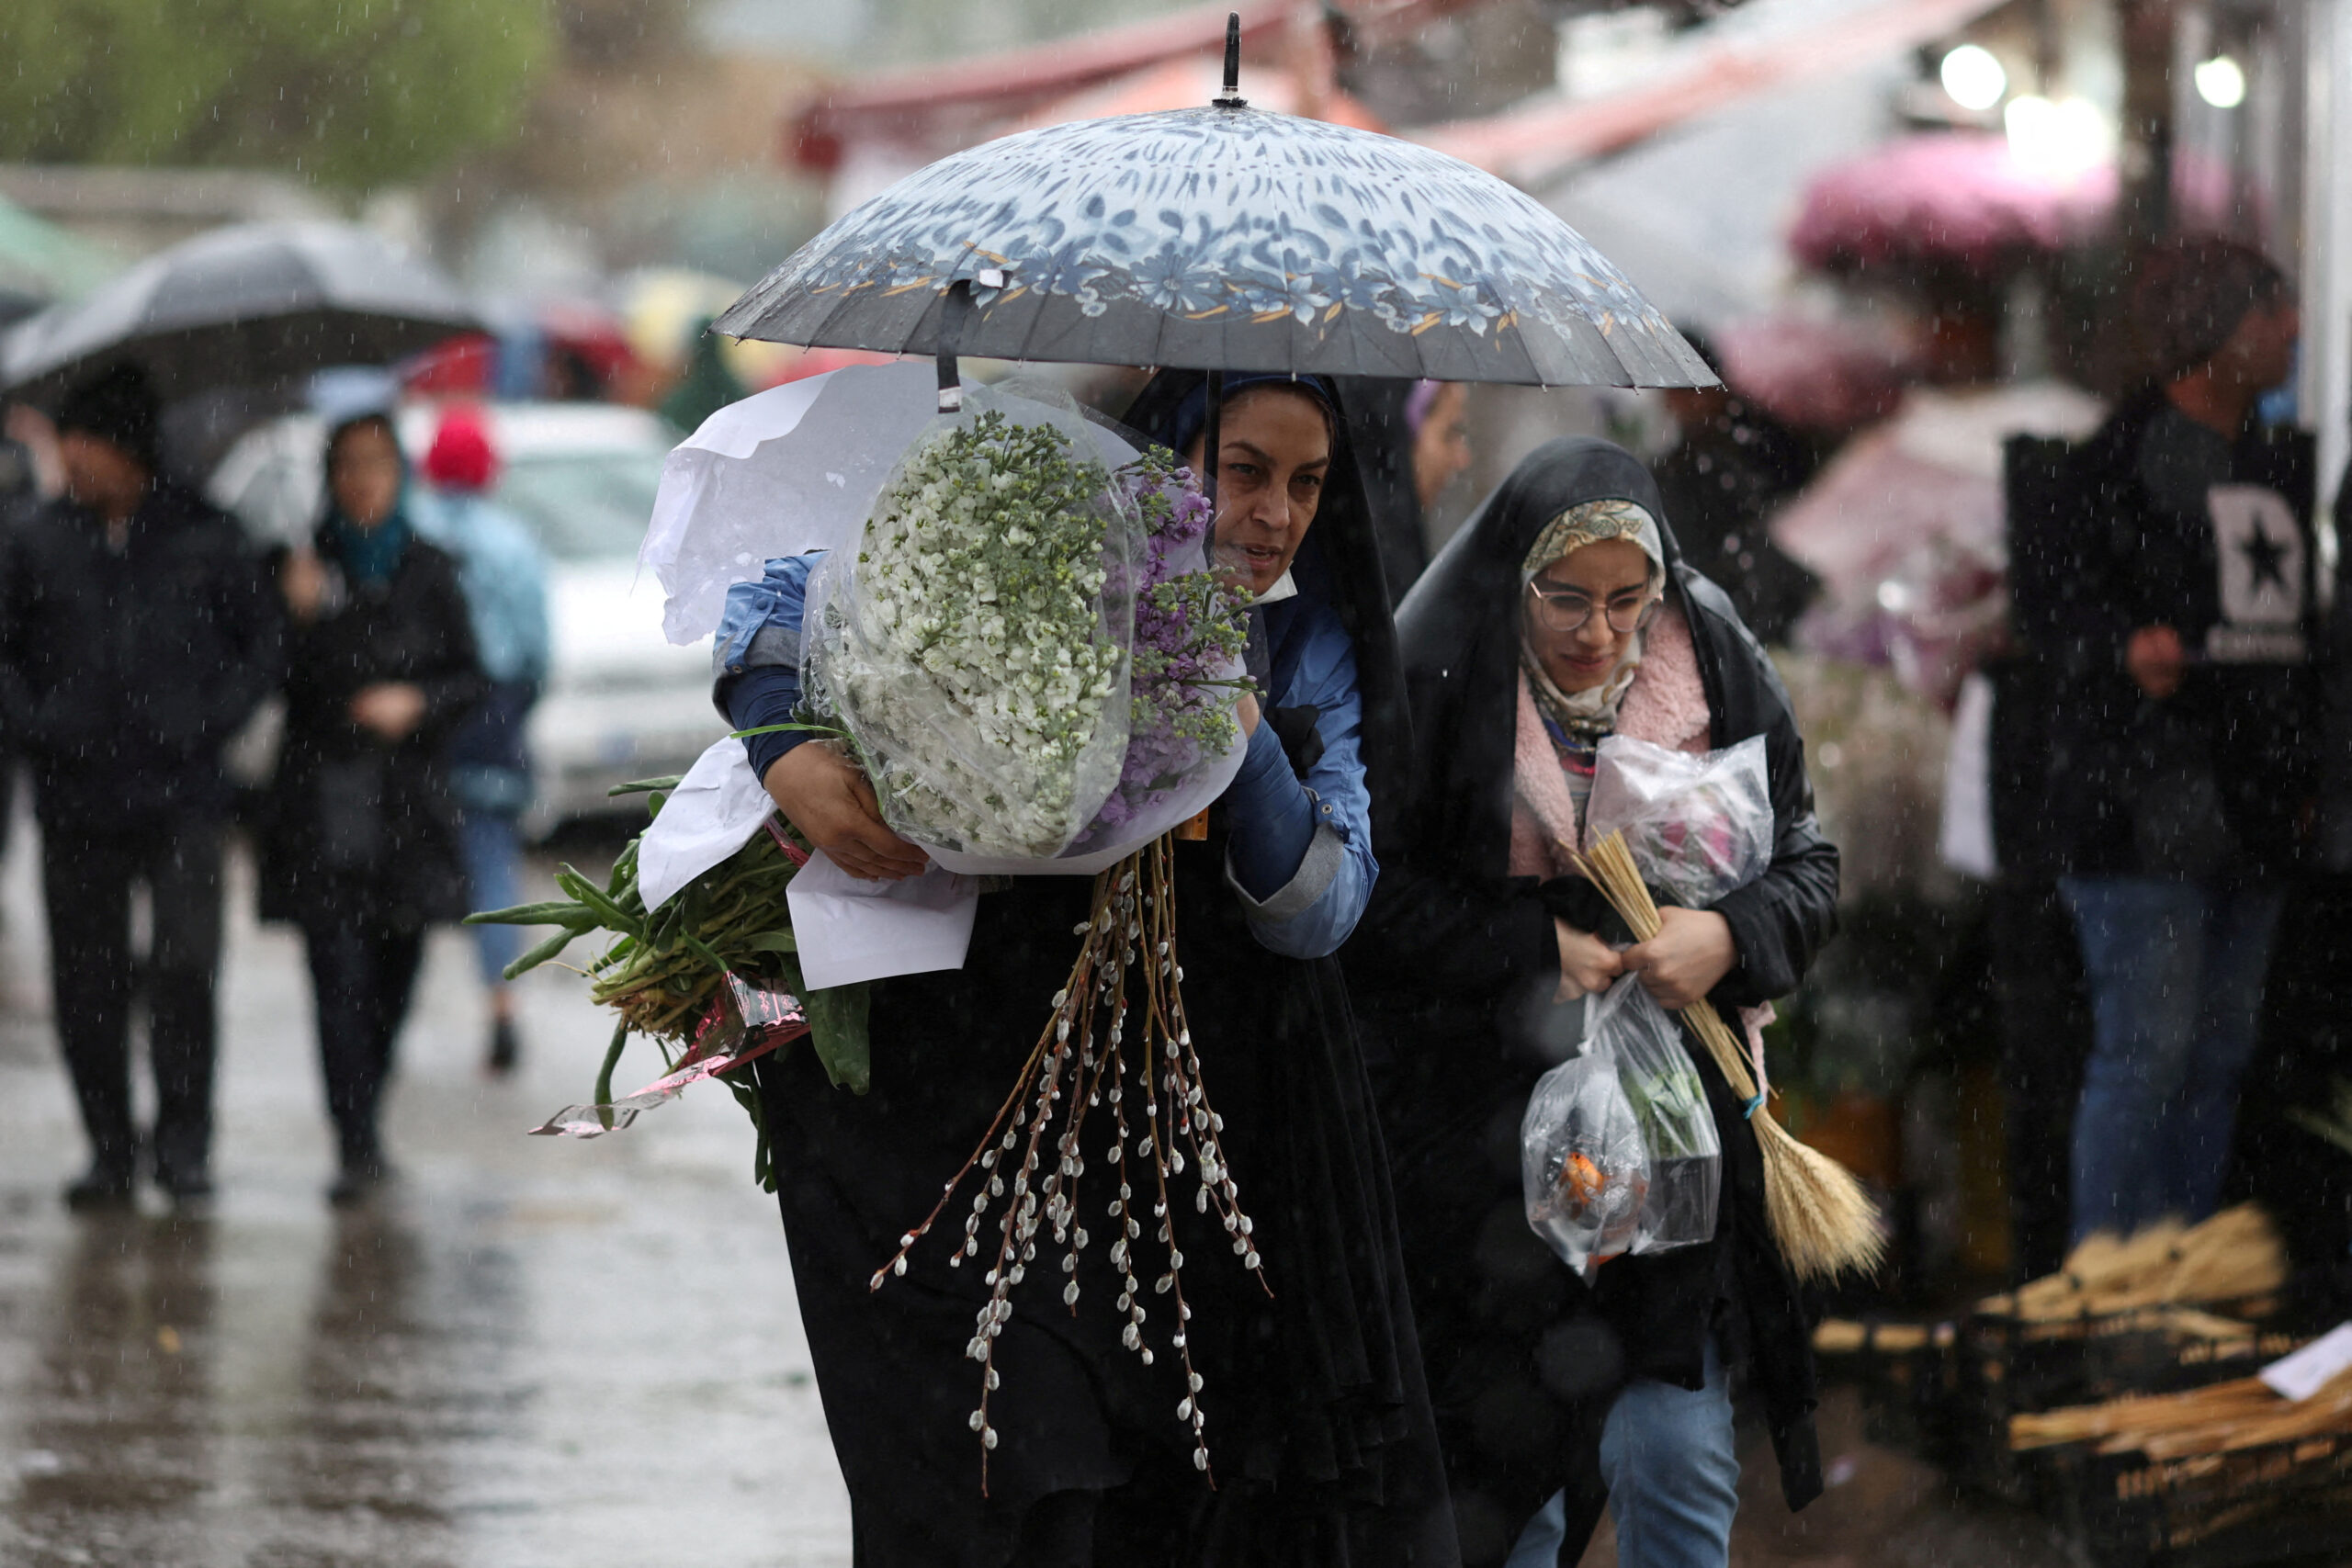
(360, 844)
(504, 573)
(2176, 597)
(1268, 253)
(137, 635)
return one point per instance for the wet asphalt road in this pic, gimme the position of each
(530, 1352)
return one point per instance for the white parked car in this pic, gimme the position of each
(622, 702)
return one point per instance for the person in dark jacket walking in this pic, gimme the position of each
(1560, 614)
(137, 634)
(360, 843)
(2183, 729)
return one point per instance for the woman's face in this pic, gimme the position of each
(1274, 450)
(1442, 447)
(364, 472)
(1612, 578)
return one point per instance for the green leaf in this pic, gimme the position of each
(588, 893)
(837, 1018)
(772, 941)
(604, 1095)
(560, 913)
(540, 954)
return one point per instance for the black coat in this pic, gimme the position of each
(1456, 963)
(2217, 778)
(1319, 1426)
(123, 674)
(356, 827)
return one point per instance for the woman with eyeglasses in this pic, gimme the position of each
(1561, 614)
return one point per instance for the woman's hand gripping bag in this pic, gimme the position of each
(1583, 1166)
(1669, 1108)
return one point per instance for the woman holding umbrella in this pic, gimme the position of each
(359, 846)
(1327, 1452)
(1562, 614)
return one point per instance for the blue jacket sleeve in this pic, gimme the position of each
(755, 660)
(1300, 854)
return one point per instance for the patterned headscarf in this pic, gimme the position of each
(1590, 714)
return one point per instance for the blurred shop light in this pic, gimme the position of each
(2062, 139)
(1974, 77)
(2220, 81)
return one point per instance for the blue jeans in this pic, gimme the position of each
(491, 846)
(2176, 971)
(1673, 1479)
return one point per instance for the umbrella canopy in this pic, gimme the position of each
(1954, 197)
(1223, 238)
(247, 305)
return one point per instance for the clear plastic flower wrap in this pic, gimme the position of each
(1026, 646)
(1669, 1105)
(1583, 1167)
(1698, 825)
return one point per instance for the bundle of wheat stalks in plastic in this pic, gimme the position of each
(2218, 1418)
(2236, 1253)
(1822, 1219)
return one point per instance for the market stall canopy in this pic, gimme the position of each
(1534, 143)
(939, 107)
(1223, 238)
(1957, 198)
(247, 305)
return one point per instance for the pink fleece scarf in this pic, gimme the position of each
(1667, 706)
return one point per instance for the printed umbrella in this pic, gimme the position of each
(1222, 238)
(241, 306)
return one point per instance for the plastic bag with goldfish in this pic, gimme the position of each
(1584, 1168)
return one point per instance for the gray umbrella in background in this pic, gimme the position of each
(248, 306)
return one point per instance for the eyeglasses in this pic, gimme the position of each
(1567, 609)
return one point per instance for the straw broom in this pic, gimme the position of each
(2236, 1253)
(2242, 1414)
(1822, 1219)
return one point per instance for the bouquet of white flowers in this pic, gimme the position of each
(1026, 649)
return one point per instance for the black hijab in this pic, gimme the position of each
(1459, 631)
(1340, 565)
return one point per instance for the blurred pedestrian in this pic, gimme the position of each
(137, 635)
(1731, 467)
(504, 573)
(360, 843)
(1561, 614)
(2183, 732)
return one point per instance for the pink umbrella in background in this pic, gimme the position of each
(1946, 198)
